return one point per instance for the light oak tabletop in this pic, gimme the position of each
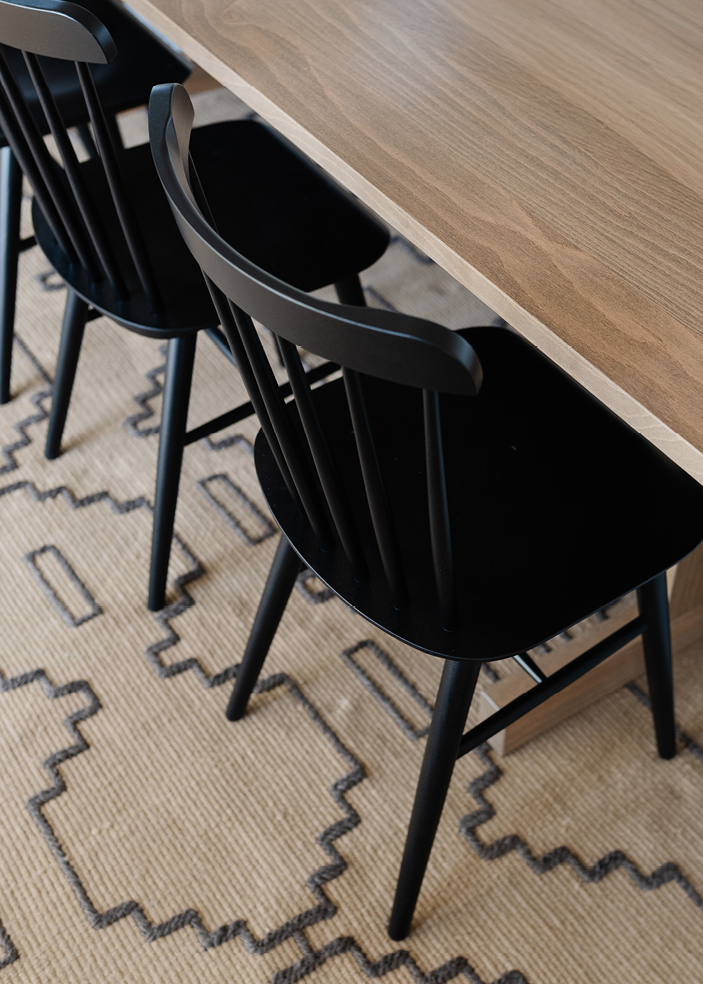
(547, 153)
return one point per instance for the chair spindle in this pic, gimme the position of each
(293, 452)
(115, 179)
(36, 162)
(226, 318)
(379, 505)
(232, 328)
(440, 529)
(329, 478)
(99, 241)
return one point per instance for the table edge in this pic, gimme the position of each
(547, 341)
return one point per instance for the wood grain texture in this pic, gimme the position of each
(686, 591)
(547, 153)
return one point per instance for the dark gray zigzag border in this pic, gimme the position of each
(324, 909)
(166, 615)
(665, 873)
(668, 872)
(385, 965)
(184, 599)
(183, 602)
(62, 491)
(142, 400)
(21, 427)
(562, 855)
(51, 764)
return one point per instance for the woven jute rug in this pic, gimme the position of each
(146, 839)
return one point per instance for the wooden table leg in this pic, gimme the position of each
(686, 607)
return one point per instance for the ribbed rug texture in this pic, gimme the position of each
(145, 839)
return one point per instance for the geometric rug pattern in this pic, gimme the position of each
(146, 839)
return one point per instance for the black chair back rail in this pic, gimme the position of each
(387, 345)
(57, 29)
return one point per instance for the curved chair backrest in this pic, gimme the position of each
(57, 29)
(384, 344)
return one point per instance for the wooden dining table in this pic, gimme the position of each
(547, 153)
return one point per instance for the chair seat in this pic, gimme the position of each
(142, 61)
(558, 507)
(272, 206)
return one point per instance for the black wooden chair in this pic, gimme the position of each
(414, 487)
(106, 227)
(124, 83)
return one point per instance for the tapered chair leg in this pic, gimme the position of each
(174, 418)
(653, 604)
(448, 720)
(74, 318)
(10, 208)
(281, 580)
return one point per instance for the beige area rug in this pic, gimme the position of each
(146, 839)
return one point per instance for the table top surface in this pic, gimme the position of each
(548, 153)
